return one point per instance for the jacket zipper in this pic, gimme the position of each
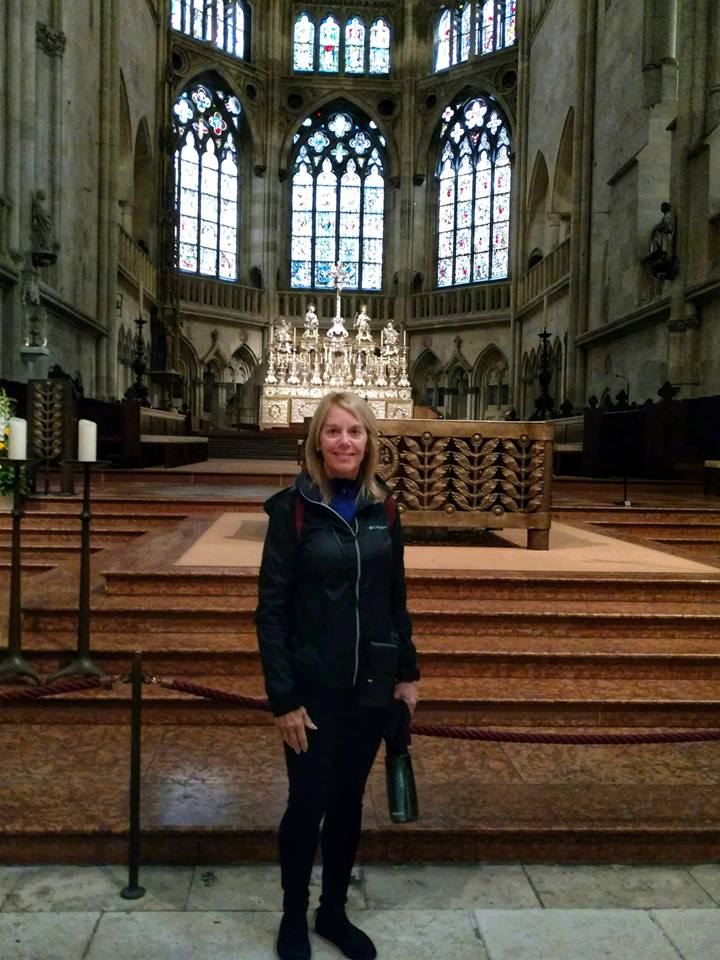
(357, 579)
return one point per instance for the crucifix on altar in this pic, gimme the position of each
(338, 275)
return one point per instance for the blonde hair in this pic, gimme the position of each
(351, 403)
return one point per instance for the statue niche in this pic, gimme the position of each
(44, 245)
(661, 259)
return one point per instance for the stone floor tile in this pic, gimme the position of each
(68, 888)
(415, 935)
(622, 886)
(56, 936)
(708, 876)
(255, 886)
(185, 936)
(8, 878)
(448, 886)
(572, 935)
(695, 934)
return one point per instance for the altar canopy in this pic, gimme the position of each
(303, 364)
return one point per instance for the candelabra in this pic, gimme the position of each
(15, 664)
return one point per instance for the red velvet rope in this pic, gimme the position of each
(470, 733)
(69, 685)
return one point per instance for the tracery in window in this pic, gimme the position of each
(333, 46)
(338, 200)
(226, 25)
(473, 28)
(205, 122)
(473, 175)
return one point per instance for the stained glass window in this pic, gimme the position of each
(474, 176)
(474, 27)
(338, 201)
(333, 47)
(355, 46)
(206, 181)
(380, 46)
(303, 43)
(224, 24)
(329, 50)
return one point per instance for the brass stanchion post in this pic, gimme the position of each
(133, 891)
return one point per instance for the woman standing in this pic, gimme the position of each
(336, 648)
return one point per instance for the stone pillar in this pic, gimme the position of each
(13, 113)
(106, 345)
(583, 133)
(713, 95)
(660, 66)
(519, 210)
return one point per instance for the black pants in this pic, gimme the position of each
(329, 780)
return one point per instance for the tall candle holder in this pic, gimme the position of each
(81, 665)
(15, 664)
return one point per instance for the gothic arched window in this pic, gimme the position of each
(338, 201)
(226, 25)
(473, 28)
(473, 175)
(332, 46)
(206, 181)
(329, 51)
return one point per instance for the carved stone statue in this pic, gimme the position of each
(311, 323)
(362, 325)
(391, 340)
(661, 259)
(44, 246)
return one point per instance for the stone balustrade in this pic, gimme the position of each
(293, 304)
(459, 473)
(136, 263)
(460, 302)
(539, 279)
(220, 295)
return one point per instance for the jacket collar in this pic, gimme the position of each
(310, 491)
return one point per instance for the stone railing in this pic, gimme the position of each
(219, 295)
(551, 270)
(136, 263)
(460, 301)
(459, 473)
(293, 304)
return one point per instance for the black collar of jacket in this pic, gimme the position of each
(305, 486)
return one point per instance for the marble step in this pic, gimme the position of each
(690, 516)
(458, 701)
(121, 580)
(70, 520)
(481, 618)
(100, 535)
(238, 656)
(215, 795)
(182, 506)
(665, 532)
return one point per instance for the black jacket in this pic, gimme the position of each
(326, 595)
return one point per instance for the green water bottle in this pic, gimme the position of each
(401, 792)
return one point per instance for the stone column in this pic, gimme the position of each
(713, 96)
(583, 133)
(106, 345)
(660, 65)
(683, 324)
(518, 210)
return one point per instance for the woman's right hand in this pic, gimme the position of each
(292, 727)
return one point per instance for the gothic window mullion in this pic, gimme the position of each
(361, 233)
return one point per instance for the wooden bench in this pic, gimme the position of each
(487, 474)
(158, 438)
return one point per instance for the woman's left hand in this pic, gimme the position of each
(407, 690)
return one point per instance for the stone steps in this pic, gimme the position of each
(458, 701)
(100, 522)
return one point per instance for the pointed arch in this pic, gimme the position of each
(561, 201)
(427, 380)
(473, 177)
(223, 23)
(206, 120)
(537, 205)
(337, 198)
(125, 157)
(491, 382)
(143, 208)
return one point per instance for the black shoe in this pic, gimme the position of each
(348, 938)
(293, 942)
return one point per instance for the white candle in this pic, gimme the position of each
(87, 441)
(17, 441)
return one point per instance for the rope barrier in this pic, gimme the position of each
(468, 733)
(69, 685)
